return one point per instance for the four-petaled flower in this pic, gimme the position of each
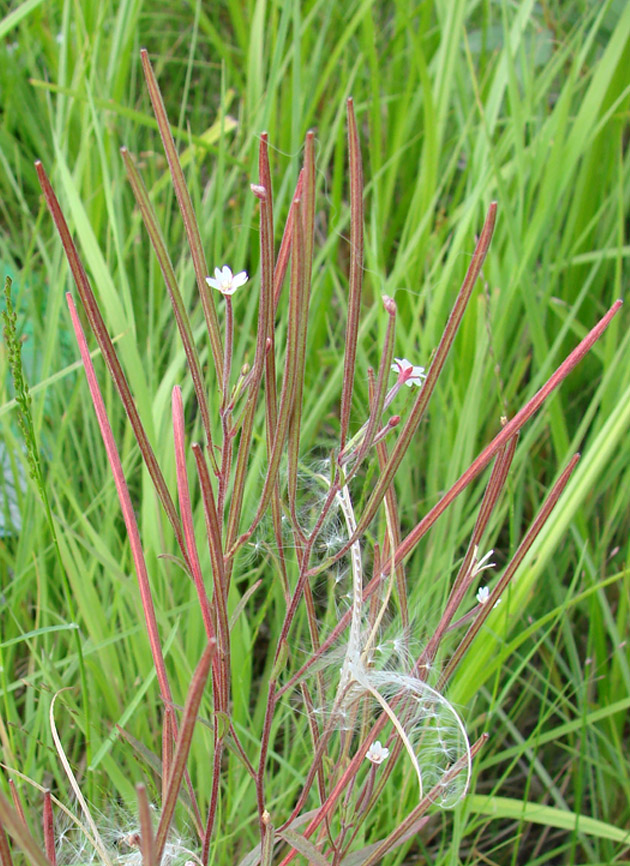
(483, 594)
(377, 753)
(225, 281)
(408, 373)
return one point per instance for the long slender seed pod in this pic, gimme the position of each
(5, 851)
(295, 419)
(284, 253)
(356, 273)
(264, 327)
(11, 821)
(267, 276)
(178, 770)
(462, 581)
(147, 837)
(111, 359)
(377, 404)
(129, 518)
(541, 518)
(287, 395)
(188, 215)
(481, 461)
(422, 400)
(213, 532)
(125, 504)
(49, 829)
(181, 316)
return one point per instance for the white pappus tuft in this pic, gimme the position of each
(427, 725)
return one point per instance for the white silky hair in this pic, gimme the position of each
(429, 727)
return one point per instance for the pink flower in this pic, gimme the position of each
(225, 281)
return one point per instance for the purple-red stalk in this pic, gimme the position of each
(49, 829)
(184, 739)
(129, 518)
(107, 348)
(147, 836)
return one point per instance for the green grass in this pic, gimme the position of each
(458, 104)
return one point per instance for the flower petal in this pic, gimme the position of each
(240, 279)
(225, 281)
(377, 753)
(483, 594)
(408, 373)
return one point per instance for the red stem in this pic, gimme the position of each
(49, 829)
(128, 516)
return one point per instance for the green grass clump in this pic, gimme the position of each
(457, 104)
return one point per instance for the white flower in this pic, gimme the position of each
(483, 594)
(225, 281)
(377, 753)
(408, 373)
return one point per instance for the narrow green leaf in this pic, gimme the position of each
(547, 816)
